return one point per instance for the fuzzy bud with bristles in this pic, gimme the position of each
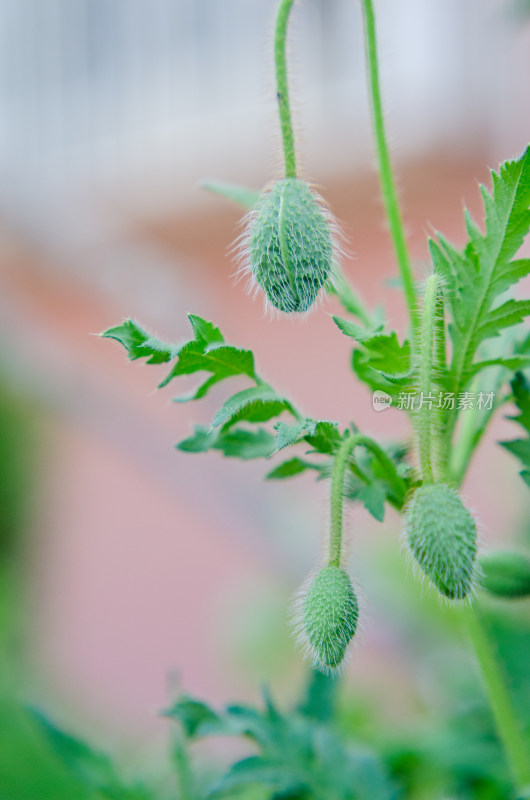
(330, 614)
(290, 245)
(442, 536)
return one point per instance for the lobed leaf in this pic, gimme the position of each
(257, 404)
(476, 277)
(520, 448)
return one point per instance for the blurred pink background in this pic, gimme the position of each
(148, 568)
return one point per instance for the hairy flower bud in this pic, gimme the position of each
(289, 240)
(330, 612)
(442, 537)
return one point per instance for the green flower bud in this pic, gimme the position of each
(442, 537)
(330, 612)
(506, 574)
(290, 246)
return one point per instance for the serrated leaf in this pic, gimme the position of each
(222, 360)
(139, 343)
(477, 276)
(323, 436)
(290, 468)
(256, 404)
(379, 360)
(373, 498)
(520, 448)
(205, 331)
(241, 195)
(355, 331)
(288, 435)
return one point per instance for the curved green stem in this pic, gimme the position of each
(342, 459)
(426, 347)
(516, 749)
(386, 176)
(282, 88)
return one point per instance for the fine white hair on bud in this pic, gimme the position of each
(288, 246)
(327, 617)
(441, 534)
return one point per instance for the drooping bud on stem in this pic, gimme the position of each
(330, 615)
(290, 245)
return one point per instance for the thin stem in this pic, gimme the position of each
(386, 176)
(425, 376)
(340, 464)
(282, 88)
(501, 705)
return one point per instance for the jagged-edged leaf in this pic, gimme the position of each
(233, 443)
(476, 277)
(222, 360)
(92, 768)
(379, 360)
(241, 195)
(289, 434)
(139, 343)
(323, 436)
(521, 447)
(205, 331)
(256, 404)
(373, 498)
(290, 468)
(355, 331)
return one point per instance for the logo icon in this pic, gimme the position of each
(381, 400)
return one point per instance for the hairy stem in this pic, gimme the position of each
(426, 346)
(388, 186)
(282, 88)
(506, 720)
(340, 465)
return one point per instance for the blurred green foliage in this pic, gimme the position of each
(336, 743)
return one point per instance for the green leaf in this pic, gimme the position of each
(476, 277)
(506, 574)
(520, 448)
(385, 353)
(260, 771)
(323, 436)
(202, 440)
(288, 435)
(246, 444)
(205, 331)
(287, 469)
(238, 194)
(256, 404)
(222, 360)
(355, 331)
(373, 498)
(196, 717)
(233, 443)
(139, 343)
(92, 768)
